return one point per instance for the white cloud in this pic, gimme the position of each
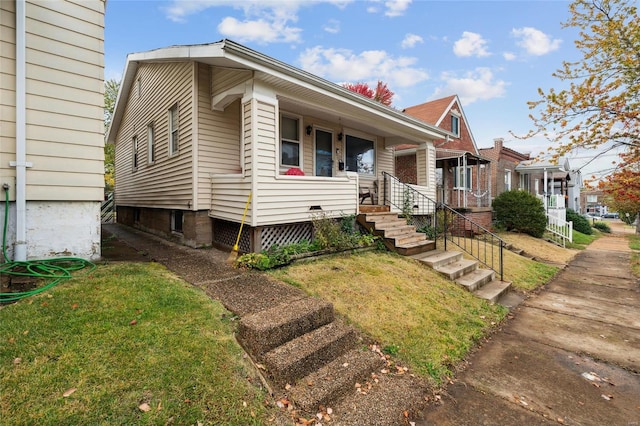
(534, 41)
(332, 26)
(509, 56)
(396, 7)
(410, 40)
(368, 66)
(265, 21)
(392, 8)
(471, 44)
(475, 85)
(260, 30)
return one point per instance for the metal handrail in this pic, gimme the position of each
(477, 241)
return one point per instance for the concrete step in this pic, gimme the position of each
(476, 279)
(309, 352)
(493, 290)
(415, 248)
(334, 380)
(457, 269)
(437, 258)
(261, 332)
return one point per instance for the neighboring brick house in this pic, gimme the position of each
(462, 175)
(504, 176)
(593, 201)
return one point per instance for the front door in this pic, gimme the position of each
(324, 153)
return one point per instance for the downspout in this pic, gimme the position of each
(20, 249)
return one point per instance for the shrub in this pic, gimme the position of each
(520, 211)
(580, 223)
(603, 227)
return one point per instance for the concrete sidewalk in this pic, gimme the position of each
(570, 355)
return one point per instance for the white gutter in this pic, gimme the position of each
(20, 249)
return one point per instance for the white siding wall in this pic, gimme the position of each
(168, 182)
(425, 161)
(64, 71)
(218, 139)
(64, 124)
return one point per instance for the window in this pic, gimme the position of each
(360, 155)
(176, 220)
(462, 178)
(525, 182)
(135, 153)
(290, 142)
(507, 180)
(455, 125)
(151, 143)
(592, 198)
(173, 130)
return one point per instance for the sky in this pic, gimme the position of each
(493, 54)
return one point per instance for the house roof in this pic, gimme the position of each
(434, 112)
(536, 165)
(306, 91)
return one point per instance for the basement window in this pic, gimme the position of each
(177, 219)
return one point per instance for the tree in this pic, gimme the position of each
(381, 93)
(623, 190)
(111, 88)
(601, 107)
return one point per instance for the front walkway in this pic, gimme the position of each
(570, 355)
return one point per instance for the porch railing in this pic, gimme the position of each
(559, 230)
(440, 221)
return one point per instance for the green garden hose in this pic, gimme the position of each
(52, 270)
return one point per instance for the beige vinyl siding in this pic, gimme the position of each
(218, 139)
(168, 182)
(247, 160)
(426, 170)
(64, 71)
(224, 79)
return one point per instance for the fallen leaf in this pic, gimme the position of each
(17, 361)
(144, 407)
(25, 332)
(346, 364)
(329, 410)
(260, 366)
(287, 386)
(244, 404)
(69, 392)
(133, 322)
(606, 397)
(406, 414)
(74, 306)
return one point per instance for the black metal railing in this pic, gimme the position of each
(438, 220)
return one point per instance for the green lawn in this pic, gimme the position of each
(95, 349)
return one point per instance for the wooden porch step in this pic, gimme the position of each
(415, 248)
(399, 230)
(329, 383)
(265, 330)
(298, 357)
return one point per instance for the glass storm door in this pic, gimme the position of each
(323, 153)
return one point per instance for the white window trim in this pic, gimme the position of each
(362, 135)
(453, 114)
(171, 130)
(456, 171)
(285, 167)
(151, 143)
(333, 142)
(135, 149)
(508, 177)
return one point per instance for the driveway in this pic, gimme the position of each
(570, 354)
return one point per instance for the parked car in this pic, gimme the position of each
(611, 215)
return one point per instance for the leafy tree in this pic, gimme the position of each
(380, 94)
(521, 211)
(623, 189)
(601, 107)
(111, 88)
